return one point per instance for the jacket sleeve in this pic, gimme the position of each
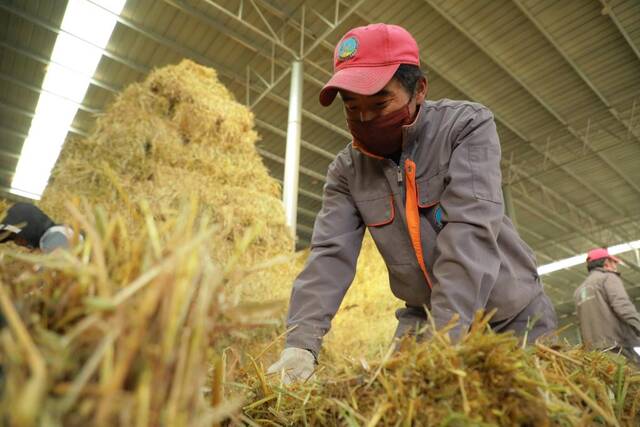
(620, 303)
(469, 261)
(330, 269)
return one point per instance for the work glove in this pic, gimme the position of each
(297, 364)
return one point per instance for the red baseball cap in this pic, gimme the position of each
(366, 58)
(599, 253)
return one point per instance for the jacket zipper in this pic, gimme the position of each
(399, 172)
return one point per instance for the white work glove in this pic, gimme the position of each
(296, 363)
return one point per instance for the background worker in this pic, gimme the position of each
(608, 319)
(28, 226)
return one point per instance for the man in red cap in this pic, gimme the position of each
(424, 178)
(608, 318)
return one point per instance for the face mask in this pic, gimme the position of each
(381, 136)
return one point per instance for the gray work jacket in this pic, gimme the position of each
(607, 316)
(437, 219)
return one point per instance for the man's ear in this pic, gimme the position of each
(422, 89)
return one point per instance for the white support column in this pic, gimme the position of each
(292, 157)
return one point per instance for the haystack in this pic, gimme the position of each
(122, 330)
(365, 323)
(117, 332)
(179, 133)
(486, 380)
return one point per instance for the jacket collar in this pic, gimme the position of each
(602, 270)
(412, 131)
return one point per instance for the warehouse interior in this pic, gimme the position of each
(562, 78)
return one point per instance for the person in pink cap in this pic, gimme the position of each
(424, 178)
(608, 319)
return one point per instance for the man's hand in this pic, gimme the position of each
(296, 363)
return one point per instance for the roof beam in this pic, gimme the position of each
(303, 54)
(592, 230)
(47, 61)
(6, 172)
(337, 21)
(305, 229)
(513, 75)
(307, 213)
(33, 88)
(593, 88)
(576, 216)
(44, 24)
(238, 17)
(306, 171)
(30, 86)
(608, 9)
(528, 206)
(234, 35)
(9, 154)
(561, 222)
(320, 151)
(143, 69)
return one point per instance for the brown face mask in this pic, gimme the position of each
(381, 136)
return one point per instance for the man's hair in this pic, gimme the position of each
(598, 263)
(409, 75)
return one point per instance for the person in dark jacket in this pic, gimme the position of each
(28, 226)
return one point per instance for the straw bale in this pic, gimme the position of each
(120, 330)
(486, 380)
(4, 205)
(365, 323)
(179, 132)
(177, 137)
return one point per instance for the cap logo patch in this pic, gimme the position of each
(347, 49)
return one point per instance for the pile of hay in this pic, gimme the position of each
(488, 379)
(365, 323)
(119, 331)
(179, 133)
(123, 329)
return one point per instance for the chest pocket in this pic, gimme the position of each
(429, 192)
(377, 212)
(387, 229)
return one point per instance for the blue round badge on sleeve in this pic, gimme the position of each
(434, 216)
(347, 49)
(439, 216)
